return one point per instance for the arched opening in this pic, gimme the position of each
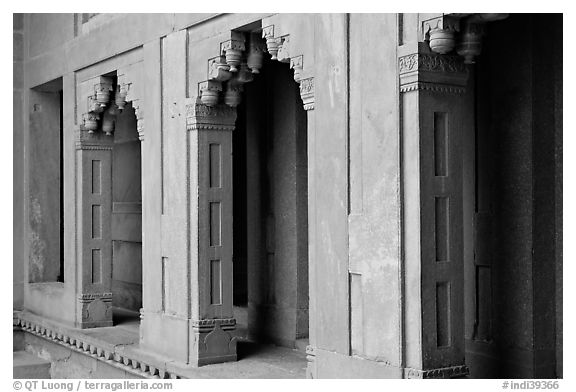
(270, 211)
(126, 220)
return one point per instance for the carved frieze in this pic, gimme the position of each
(430, 63)
(202, 117)
(432, 72)
(209, 324)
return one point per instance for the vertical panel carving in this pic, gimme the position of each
(215, 166)
(96, 266)
(215, 283)
(443, 333)
(96, 177)
(440, 144)
(96, 221)
(442, 219)
(215, 223)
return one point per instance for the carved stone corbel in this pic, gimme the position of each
(139, 113)
(209, 92)
(470, 45)
(218, 69)
(271, 41)
(232, 50)
(244, 75)
(284, 49)
(297, 64)
(121, 93)
(103, 90)
(109, 120)
(233, 94)
(256, 53)
(90, 120)
(307, 93)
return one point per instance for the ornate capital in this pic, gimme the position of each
(216, 118)
(307, 93)
(432, 72)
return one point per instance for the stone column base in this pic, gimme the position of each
(210, 341)
(447, 372)
(95, 310)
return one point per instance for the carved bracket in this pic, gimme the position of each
(307, 93)
(462, 32)
(227, 72)
(96, 93)
(129, 89)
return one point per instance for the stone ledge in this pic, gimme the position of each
(116, 352)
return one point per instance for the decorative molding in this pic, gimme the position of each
(209, 324)
(307, 93)
(447, 372)
(430, 63)
(432, 72)
(202, 117)
(76, 341)
(434, 87)
(87, 297)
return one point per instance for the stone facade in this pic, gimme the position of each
(386, 188)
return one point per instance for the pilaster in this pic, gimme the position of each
(94, 245)
(431, 109)
(210, 188)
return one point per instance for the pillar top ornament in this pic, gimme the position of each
(432, 72)
(200, 117)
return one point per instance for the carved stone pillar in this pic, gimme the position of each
(94, 247)
(210, 145)
(432, 108)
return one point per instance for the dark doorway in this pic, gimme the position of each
(270, 210)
